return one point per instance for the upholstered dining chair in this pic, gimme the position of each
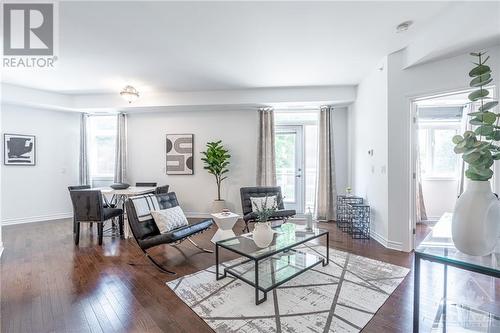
(145, 184)
(73, 188)
(88, 207)
(147, 234)
(162, 189)
(262, 191)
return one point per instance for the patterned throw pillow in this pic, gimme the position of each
(258, 202)
(169, 219)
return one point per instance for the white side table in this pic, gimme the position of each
(225, 223)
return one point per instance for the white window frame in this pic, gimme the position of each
(99, 177)
(432, 125)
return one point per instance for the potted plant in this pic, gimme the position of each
(216, 159)
(263, 234)
(476, 218)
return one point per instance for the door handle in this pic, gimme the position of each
(298, 176)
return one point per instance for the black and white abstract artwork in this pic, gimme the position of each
(180, 154)
(19, 149)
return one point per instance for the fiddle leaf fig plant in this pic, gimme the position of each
(479, 147)
(216, 159)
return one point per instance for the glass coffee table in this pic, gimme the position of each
(267, 268)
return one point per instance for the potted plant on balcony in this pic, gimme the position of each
(476, 218)
(216, 160)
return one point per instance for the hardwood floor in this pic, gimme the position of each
(49, 285)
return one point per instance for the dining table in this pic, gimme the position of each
(117, 197)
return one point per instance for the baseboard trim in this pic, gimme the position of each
(41, 218)
(398, 246)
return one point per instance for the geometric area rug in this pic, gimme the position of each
(340, 297)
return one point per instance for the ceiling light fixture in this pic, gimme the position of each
(402, 27)
(130, 94)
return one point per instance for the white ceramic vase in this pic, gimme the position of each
(263, 234)
(218, 206)
(476, 220)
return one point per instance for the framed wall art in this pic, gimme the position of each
(180, 154)
(19, 149)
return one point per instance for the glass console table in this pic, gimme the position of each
(438, 247)
(267, 268)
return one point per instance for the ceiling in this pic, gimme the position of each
(194, 46)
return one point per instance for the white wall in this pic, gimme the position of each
(404, 84)
(237, 129)
(440, 196)
(34, 193)
(368, 130)
(1, 162)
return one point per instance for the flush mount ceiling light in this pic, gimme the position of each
(402, 27)
(130, 94)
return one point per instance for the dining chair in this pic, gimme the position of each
(162, 189)
(88, 207)
(146, 184)
(73, 188)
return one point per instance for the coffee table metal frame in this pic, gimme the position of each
(257, 259)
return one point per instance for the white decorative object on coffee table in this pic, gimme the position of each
(225, 223)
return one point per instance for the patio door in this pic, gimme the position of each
(289, 149)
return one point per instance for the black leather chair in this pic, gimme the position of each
(145, 184)
(147, 234)
(261, 191)
(162, 189)
(88, 207)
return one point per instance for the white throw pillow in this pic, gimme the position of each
(169, 219)
(261, 201)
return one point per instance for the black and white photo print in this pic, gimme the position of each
(180, 154)
(19, 149)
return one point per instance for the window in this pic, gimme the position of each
(285, 146)
(102, 141)
(311, 160)
(437, 159)
(296, 149)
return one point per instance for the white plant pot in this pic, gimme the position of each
(262, 234)
(476, 220)
(218, 206)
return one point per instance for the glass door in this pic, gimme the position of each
(289, 147)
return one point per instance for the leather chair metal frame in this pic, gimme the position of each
(147, 234)
(261, 191)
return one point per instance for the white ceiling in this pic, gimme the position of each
(193, 46)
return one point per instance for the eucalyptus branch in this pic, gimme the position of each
(477, 147)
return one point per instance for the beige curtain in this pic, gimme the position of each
(326, 192)
(84, 173)
(121, 149)
(266, 160)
